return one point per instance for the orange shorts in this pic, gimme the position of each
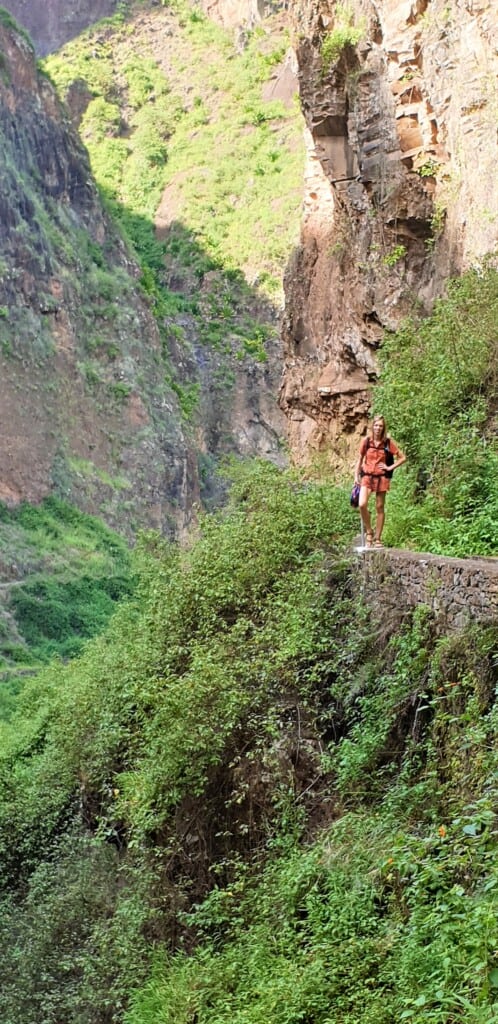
(374, 482)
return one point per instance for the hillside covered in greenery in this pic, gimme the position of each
(62, 574)
(233, 793)
(251, 798)
(438, 389)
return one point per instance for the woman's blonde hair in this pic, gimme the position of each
(371, 427)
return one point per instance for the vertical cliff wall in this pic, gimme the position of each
(400, 99)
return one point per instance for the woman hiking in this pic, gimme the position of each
(378, 457)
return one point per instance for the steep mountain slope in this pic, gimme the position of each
(255, 798)
(140, 373)
(111, 440)
(202, 137)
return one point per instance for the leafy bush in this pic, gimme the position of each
(73, 571)
(54, 617)
(366, 921)
(438, 384)
(343, 34)
(284, 800)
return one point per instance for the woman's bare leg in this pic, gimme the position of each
(380, 501)
(363, 507)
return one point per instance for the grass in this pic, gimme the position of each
(234, 160)
(438, 390)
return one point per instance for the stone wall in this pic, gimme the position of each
(458, 590)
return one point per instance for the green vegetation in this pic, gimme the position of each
(428, 169)
(394, 256)
(248, 799)
(233, 160)
(67, 570)
(438, 391)
(251, 799)
(9, 22)
(343, 34)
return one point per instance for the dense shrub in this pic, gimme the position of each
(438, 391)
(73, 570)
(286, 802)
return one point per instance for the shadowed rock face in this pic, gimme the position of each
(400, 192)
(53, 22)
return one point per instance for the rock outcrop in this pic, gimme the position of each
(53, 23)
(400, 101)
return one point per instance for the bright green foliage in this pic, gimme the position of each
(235, 159)
(391, 914)
(55, 616)
(117, 744)
(438, 390)
(286, 802)
(68, 571)
(230, 159)
(343, 34)
(393, 257)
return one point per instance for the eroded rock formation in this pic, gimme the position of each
(401, 191)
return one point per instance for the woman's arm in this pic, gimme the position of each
(357, 469)
(399, 459)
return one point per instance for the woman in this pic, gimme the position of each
(378, 456)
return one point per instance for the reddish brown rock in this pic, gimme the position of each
(401, 191)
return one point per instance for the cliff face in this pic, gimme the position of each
(400, 103)
(51, 24)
